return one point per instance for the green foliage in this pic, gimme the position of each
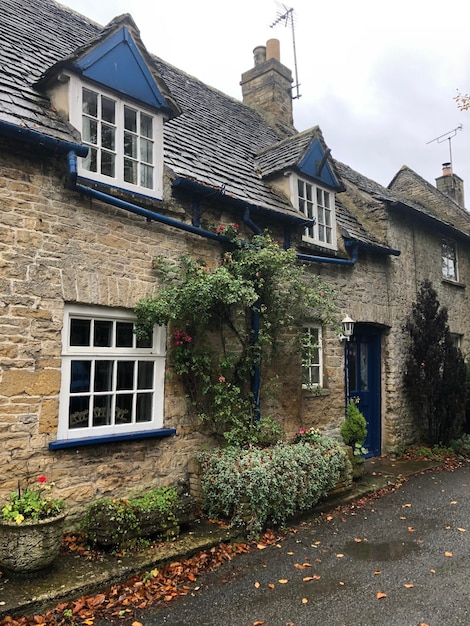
(435, 372)
(119, 521)
(32, 504)
(215, 349)
(353, 429)
(256, 485)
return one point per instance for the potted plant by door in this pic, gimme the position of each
(353, 430)
(31, 527)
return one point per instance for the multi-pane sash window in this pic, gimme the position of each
(449, 259)
(124, 142)
(317, 204)
(312, 370)
(112, 382)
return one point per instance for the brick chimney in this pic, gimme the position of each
(267, 87)
(451, 185)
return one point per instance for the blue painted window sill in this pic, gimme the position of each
(93, 441)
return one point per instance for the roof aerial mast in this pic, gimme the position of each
(288, 17)
(449, 136)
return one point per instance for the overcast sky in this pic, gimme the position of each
(379, 78)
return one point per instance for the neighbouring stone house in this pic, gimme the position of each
(110, 156)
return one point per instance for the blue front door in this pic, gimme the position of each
(365, 380)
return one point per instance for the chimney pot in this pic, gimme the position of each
(446, 169)
(259, 54)
(273, 49)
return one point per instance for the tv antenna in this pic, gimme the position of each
(288, 18)
(449, 136)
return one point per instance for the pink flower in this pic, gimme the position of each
(221, 379)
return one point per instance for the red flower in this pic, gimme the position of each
(42, 479)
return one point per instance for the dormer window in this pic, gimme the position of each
(317, 203)
(124, 140)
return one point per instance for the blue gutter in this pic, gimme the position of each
(21, 133)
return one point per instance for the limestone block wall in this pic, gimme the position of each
(57, 247)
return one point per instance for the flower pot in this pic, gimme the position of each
(30, 547)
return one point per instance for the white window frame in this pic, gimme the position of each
(76, 115)
(323, 231)
(155, 354)
(312, 361)
(449, 259)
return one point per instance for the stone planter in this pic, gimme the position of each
(30, 547)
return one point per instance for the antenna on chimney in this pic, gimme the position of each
(288, 17)
(449, 136)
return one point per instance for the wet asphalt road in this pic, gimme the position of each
(412, 545)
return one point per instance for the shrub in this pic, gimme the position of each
(256, 485)
(353, 429)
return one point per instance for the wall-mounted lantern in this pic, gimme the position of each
(348, 328)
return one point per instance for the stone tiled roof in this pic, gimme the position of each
(428, 200)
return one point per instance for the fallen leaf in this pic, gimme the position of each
(357, 540)
(411, 529)
(136, 623)
(271, 586)
(462, 530)
(257, 585)
(341, 583)
(329, 517)
(433, 571)
(447, 553)
(380, 595)
(304, 600)
(290, 553)
(454, 502)
(408, 585)
(340, 556)
(402, 517)
(283, 581)
(377, 572)
(405, 506)
(261, 546)
(258, 623)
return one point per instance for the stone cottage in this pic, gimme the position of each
(109, 156)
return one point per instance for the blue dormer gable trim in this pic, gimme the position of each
(315, 158)
(117, 63)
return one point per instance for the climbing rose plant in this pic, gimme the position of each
(229, 320)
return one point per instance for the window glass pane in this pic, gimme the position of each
(146, 151)
(90, 102)
(90, 130)
(90, 162)
(144, 407)
(146, 176)
(79, 411)
(124, 334)
(327, 217)
(300, 188)
(145, 375)
(80, 376)
(308, 189)
(130, 145)
(103, 376)
(321, 232)
(130, 171)
(125, 375)
(146, 128)
(102, 410)
(108, 137)
(145, 342)
(123, 413)
(364, 367)
(107, 164)
(352, 347)
(326, 199)
(80, 332)
(130, 119)
(108, 110)
(319, 196)
(103, 334)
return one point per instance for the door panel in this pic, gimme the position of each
(364, 361)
